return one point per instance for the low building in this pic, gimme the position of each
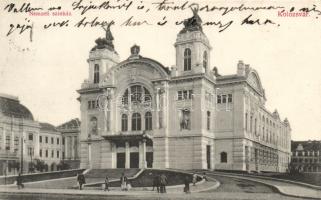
(24, 142)
(50, 150)
(70, 143)
(306, 156)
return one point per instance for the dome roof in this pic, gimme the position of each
(11, 107)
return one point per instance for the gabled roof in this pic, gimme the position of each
(47, 127)
(71, 124)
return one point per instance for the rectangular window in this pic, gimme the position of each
(57, 140)
(89, 105)
(52, 153)
(30, 136)
(46, 139)
(57, 154)
(47, 153)
(52, 140)
(185, 94)
(229, 99)
(40, 139)
(40, 153)
(190, 94)
(223, 98)
(179, 95)
(63, 141)
(8, 138)
(219, 99)
(16, 144)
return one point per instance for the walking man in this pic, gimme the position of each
(106, 184)
(19, 182)
(81, 180)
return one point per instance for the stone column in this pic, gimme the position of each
(142, 154)
(157, 109)
(66, 147)
(144, 163)
(127, 155)
(12, 141)
(89, 156)
(72, 147)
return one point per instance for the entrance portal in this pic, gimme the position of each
(121, 160)
(134, 160)
(149, 159)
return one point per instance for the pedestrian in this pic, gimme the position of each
(156, 182)
(81, 180)
(123, 182)
(194, 179)
(186, 182)
(106, 184)
(163, 183)
(204, 176)
(128, 185)
(19, 182)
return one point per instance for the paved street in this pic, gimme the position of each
(230, 188)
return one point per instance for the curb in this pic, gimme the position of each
(262, 182)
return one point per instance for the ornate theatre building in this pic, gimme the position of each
(137, 113)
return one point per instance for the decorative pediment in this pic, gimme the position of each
(254, 81)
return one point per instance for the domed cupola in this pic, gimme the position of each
(102, 57)
(192, 47)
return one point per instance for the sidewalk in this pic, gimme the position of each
(289, 189)
(178, 189)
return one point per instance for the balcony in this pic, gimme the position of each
(87, 85)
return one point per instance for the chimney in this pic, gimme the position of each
(240, 68)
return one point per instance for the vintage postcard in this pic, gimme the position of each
(160, 99)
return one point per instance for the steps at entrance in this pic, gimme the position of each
(98, 175)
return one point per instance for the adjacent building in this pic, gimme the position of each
(24, 141)
(306, 156)
(138, 113)
(70, 132)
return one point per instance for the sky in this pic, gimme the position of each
(46, 72)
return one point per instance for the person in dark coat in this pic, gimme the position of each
(19, 181)
(156, 182)
(106, 184)
(123, 182)
(163, 183)
(81, 180)
(187, 182)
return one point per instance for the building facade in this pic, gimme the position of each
(23, 140)
(306, 156)
(138, 113)
(70, 132)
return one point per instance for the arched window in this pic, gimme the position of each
(208, 120)
(185, 119)
(205, 60)
(136, 122)
(223, 157)
(93, 126)
(251, 124)
(187, 59)
(148, 121)
(96, 73)
(136, 94)
(124, 122)
(245, 121)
